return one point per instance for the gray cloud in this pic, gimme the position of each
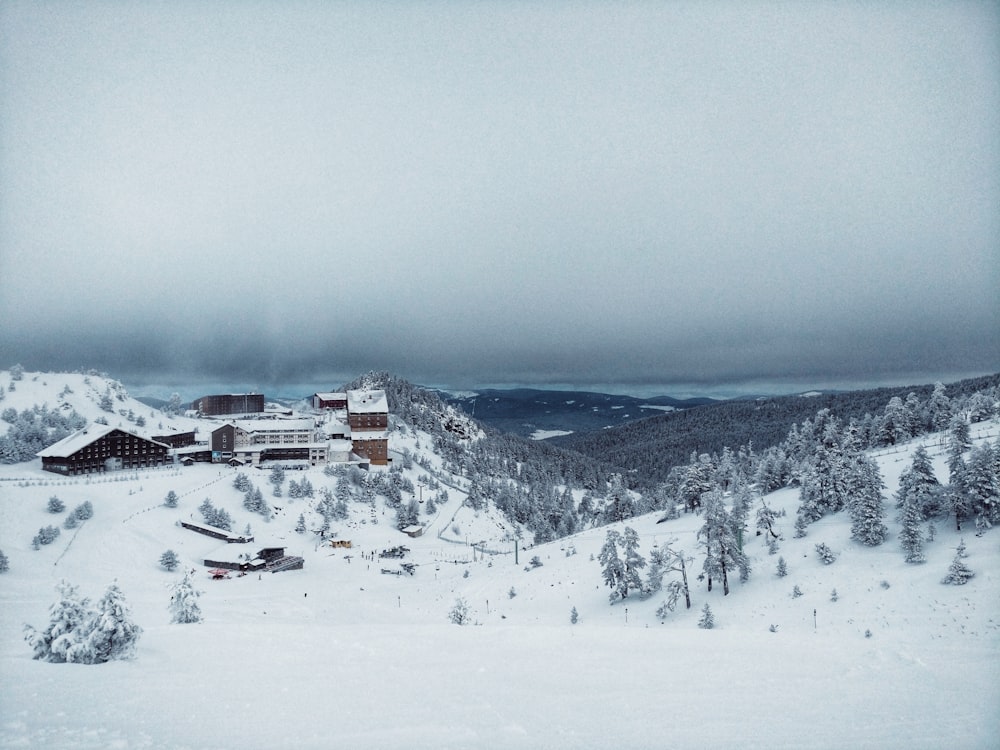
(630, 194)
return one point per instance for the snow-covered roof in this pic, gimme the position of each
(369, 435)
(367, 402)
(275, 425)
(82, 438)
(332, 396)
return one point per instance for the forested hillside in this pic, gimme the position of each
(646, 450)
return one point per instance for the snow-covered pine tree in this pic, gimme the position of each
(242, 482)
(632, 560)
(865, 504)
(958, 572)
(911, 537)
(982, 485)
(111, 634)
(169, 560)
(300, 525)
(718, 539)
(459, 613)
(184, 607)
(84, 510)
(170, 500)
(612, 568)
(68, 617)
(782, 569)
(4, 562)
(574, 616)
(56, 505)
(919, 485)
(826, 554)
(707, 619)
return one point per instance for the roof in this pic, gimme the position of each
(275, 425)
(332, 396)
(367, 402)
(82, 438)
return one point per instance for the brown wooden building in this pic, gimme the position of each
(229, 403)
(98, 448)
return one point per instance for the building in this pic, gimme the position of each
(368, 419)
(334, 401)
(229, 403)
(98, 448)
(254, 441)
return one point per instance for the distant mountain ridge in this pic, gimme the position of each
(528, 411)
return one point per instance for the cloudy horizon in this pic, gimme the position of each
(646, 197)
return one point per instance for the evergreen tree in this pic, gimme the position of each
(242, 482)
(958, 573)
(460, 613)
(982, 485)
(910, 535)
(56, 505)
(632, 560)
(866, 506)
(918, 486)
(169, 560)
(719, 541)
(84, 510)
(111, 634)
(67, 618)
(574, 616)
(184, 607)
(612, 568)
(959, 441)
(782, 569)
(300, 526)
(170, 500)
(707, 619)
(939, 409)
(4, 562)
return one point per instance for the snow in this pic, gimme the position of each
(340, 654)
(546, 434)
(657, 407)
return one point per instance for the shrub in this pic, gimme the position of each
(56, 505)
(826, 554)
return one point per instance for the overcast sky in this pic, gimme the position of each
(638, 195)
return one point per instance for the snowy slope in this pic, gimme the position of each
(340, 653)
(82, 393)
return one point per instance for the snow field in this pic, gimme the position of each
(339, 653)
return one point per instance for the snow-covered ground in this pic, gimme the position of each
(340, 654)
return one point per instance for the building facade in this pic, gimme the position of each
(99, 448)
(229, 403)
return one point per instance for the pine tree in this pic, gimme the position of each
(612, 568)
(170, 500)
(184, 607)
(958, 573)
(866, 505)
(707, 620)
(782, 569)
(4, 562)
(67, 618)
(84, 510)
(982, 485)
(632, 560)
(56, 505)
(111, 634)
(574, 616)
(721, 554)
(169, 560)
(918, 485)
(910, 535)
(459, 613)
(300, 526)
